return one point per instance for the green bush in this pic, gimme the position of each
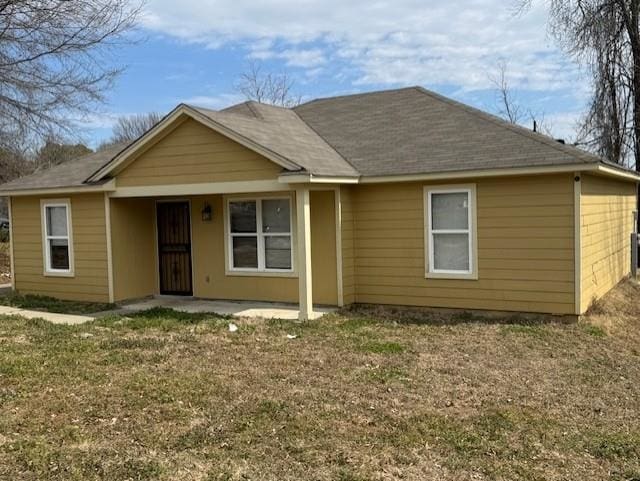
(4, 235)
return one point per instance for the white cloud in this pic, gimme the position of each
(360, 44)
(455, 42)
(214, 102)
(293, 57)
(564, 125)
(310, 58)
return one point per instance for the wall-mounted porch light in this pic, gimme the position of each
(207, 212)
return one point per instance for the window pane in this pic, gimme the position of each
(59, 254)
(277, 252)
(276, 215)
(243, 216)
(451, 252)
(57, 221)
(245, 252)
(450, 211)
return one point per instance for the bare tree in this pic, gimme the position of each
(507, 106)
(129, 128)
(510, 108)
(267, 87)
(604, 35)
(54, 152)
(14, 164)
(55, 61)
(608, 125)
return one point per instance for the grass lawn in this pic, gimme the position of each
(354, 397)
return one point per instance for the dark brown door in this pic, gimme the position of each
(174, 248)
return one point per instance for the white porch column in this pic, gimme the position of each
(303, 213)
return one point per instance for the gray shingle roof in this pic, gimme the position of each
(414, 131)
(283, 132)
(395, 132)
(73, 173)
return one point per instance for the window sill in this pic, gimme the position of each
(442, 275)
(58, 274)
(260, 274)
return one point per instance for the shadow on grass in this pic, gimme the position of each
(50, 304)
(361, 315)
(161, 318)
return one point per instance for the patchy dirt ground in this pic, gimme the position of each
(5, 264)
(353, 397)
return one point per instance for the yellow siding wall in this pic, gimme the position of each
(193, 153)
(606, 213)
(323, 248)
(133, 243)
(348, 266)
(525, 247)
(90, 250)
(211, 281)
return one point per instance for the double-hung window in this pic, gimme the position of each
(450, 231)
(57, 238)
(259, 233)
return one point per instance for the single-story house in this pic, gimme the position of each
(400, 197)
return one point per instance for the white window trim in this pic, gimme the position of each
(261, 270)
(472, 273)
(46, 256)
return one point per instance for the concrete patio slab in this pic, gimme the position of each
(263, 310)
(255, 310)
(55, 318)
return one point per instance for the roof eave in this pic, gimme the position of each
(596, 168)
(308, 178)
(109, 186)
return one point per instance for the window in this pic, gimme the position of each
(57, 238)
(260, 235)
(450, 231)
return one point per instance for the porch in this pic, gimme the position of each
(237, 309)
(242, 266)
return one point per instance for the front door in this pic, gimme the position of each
(174, 248)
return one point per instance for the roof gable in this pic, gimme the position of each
(192, 153)
(173, 119)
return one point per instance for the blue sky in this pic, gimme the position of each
(194, 50)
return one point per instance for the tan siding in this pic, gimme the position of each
(89, 240)
(193, 153)
(133, 248)
(211, 281)
(348, 257)
(606, 224)
(525, 247)
(323, 248)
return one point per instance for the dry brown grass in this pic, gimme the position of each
(354, 397)
(5, 263)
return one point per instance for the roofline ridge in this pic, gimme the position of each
(255, 111)
(358, 94)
